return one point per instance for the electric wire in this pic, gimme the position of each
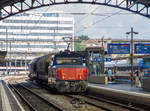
(98, 21)
(77, 22)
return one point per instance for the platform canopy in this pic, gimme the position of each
(145, 2)
(4, 3)
(2, 55)
(141, 7)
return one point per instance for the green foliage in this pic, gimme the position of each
(83, 37)
(79, 47)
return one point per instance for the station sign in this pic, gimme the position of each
(142, 48)
(98, 59)
(107, 59)
(118, 48)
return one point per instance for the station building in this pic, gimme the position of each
(29, 35)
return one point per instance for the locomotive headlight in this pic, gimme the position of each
(80, 77)
(63, 77)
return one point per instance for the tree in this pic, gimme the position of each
(83, 37)
(79, 47)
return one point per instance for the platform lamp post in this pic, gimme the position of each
(26, 62)
(26, 52)
(15, 64)
(102, 41)
(131, 49)
(26, 59)
(6, 49)
(10, 58)
(55, 47)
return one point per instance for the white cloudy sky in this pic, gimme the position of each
(97, 26)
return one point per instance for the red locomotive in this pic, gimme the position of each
(64, 71)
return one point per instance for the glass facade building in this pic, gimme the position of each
(30, 34)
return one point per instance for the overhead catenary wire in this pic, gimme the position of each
(77, 22)
(105, 18)
(131, 4)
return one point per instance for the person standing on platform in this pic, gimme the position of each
(110, 75)
(137, 77)
(131, 76)
(106, 72)
(137, 73)
(106, 75)
(140, 77)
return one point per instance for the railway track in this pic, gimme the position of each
(82, 100)
(32, 100)
(104, 104)
(79, 102)
(115, 103)
(74, 107)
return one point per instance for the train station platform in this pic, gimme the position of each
(128, 92)
(122, 86)
(8, 101)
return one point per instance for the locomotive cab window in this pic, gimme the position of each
(68, 61)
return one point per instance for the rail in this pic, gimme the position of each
(89, 100)
(33, 100)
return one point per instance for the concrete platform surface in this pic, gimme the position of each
(123, 87)
(126, 92)
(8, 101)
